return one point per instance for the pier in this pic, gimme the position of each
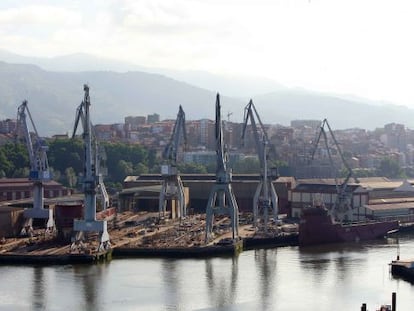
(142, 235)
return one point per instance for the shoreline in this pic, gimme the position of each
(197, 252)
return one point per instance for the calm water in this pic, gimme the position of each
(324, 278)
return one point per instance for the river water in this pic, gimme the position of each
(339, 277)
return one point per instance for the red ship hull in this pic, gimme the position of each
(317, 227)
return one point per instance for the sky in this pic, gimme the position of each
(362, 48)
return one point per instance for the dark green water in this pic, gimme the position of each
(339, 277)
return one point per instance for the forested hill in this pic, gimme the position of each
(54, 96)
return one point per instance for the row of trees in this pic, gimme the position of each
(66, 163)
(66, 160)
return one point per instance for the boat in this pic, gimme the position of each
(317, 227)
(403, 269)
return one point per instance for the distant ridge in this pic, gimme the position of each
(229, 85)
(54, 95)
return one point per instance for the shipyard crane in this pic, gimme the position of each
(343, 202)
(221, 200)
(265, 197)
(99, 154)
(91, 182)
(100, 157)
(39, 168)
(172, 187)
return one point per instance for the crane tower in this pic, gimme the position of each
(221, 200)
(39, 168)
(172, 186)
(343, 203)
(92, 180)
(265, 197)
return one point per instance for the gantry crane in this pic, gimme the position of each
(343, 204)
(265, 197)
(221, 200)
(39, 169)
(172, 186)
(100, 157)
(91, 182)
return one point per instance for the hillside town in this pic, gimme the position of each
(364, 149)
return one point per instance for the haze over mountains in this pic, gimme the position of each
(54, 89)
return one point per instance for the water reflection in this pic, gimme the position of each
(274, 279)
(266, 260)
(339, 258)
(91, 278)
(172, 292)
(222, 289)
(38, 294)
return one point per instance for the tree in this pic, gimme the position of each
(14, 160)
(363, 172)
(389, 167)
(249, 165)
(192, 168)
(71, 177)
(21, 172)
(130, 155)
(140, 168)
(123, 169)
(6, 166)
(64, 153)
(55, 174)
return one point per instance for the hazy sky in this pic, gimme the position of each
(363, 48)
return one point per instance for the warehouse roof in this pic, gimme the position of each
(390, 206)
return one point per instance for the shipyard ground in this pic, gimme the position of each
(145, 235)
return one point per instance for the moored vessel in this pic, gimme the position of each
(317, 227)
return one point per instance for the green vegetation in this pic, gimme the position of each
(66, 163)
(14, 160)
(390, 167)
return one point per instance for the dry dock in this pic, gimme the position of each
(140, 235)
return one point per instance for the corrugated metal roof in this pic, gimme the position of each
(286, 179)
(368, 183)
(20, 182)
(133, 190)
(48, 201)
(190, 177)
(391, 200)
(405, 187)
(390, 206)
(377, 185)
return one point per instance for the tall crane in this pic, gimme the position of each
(100, 157)
(91, 180)
(221, 200)
(343, 204)
(265, 197)
(39, 168)
(172, 186)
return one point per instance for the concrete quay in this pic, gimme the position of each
(141, 235)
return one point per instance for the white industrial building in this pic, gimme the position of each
(372, 198)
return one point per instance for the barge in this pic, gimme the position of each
(280, 240)
(317, 227)
(58, 259)
(403, 269)
(230, 248)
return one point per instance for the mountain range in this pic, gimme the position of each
(54, 89)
